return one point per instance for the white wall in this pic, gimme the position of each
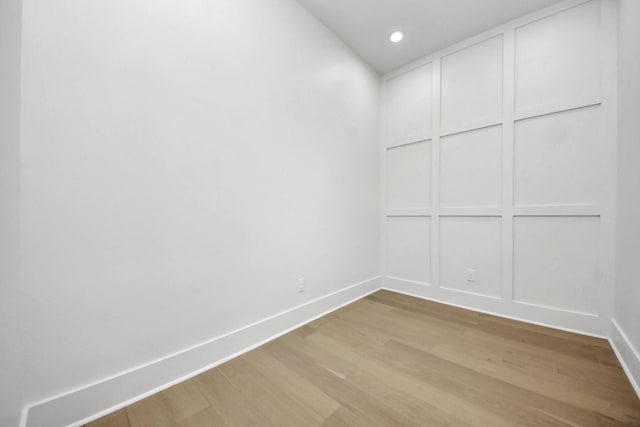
(498, 162)
(10, 368)
(627, 307)
(184, 163)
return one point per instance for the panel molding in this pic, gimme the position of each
(556, 108)
(604, 208)
(471, 172)
(400, 212)
(572, 83)
(413, 282)
(557, 210)
(462, 291)
(476, 122)
(471, 211)
(426, 137)
(408, 175)
(395, 130)
(548, 307)
(474, 125)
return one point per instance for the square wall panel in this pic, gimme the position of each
(557, 58)
(408, 248)
(471, 168)
(408, 175)
(470, 254)
(472, 84)
(555, 262)
(409, 105)
(557, 159)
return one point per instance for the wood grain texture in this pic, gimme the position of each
(394, 360)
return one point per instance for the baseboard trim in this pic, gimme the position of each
(627, 354)
(80, 406)
(494, 313)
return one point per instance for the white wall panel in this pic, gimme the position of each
(470, 243)
(409, 105)
(472, 84)
(523, 131)
(558, 159)
(556, 262)
(471, 168)
(557, 58)
(408, 248)
(173, 169)
(409, 175)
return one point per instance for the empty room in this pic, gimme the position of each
(327, 213)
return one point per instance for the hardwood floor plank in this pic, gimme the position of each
(272, 401)
(228, 402)
(342, 391)
(394, 360)
(115, 419)
(150, 412)
(317, 403)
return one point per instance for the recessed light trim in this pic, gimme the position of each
(396, 37)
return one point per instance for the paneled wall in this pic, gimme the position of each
(498, 160)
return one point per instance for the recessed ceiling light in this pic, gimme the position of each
(396, 37)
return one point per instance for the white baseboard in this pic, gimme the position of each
(570, 321)
(93, 401)
(628, 355)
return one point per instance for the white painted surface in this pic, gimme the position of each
(409, 248)
(520, 192)
(10, 367)
(409, 175)
(471, 243)
(95, 400)
(471, 168)
(472, 85)
(627, 305)
(428, 25)
(627, 353)
(569, 148)
(555, 262)
(141, 165)
(409, 102)
(558, 59)
(177, 181)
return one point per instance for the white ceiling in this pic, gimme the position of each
(428, 25)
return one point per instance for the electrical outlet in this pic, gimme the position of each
(471, 275)
(301, 285)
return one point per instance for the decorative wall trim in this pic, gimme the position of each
(627, 354)
(79, 406)
(409, 212)
(410, 139)
(549, 307)
(470, 127)
(511, 208)
(527, 113)
(448, 288)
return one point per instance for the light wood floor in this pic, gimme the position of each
(393, 360)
